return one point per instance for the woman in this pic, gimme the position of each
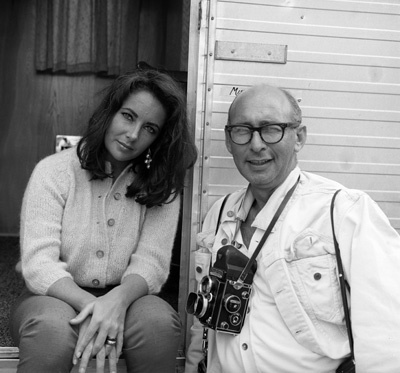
(97, 229)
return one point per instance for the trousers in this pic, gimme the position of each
(39, 326)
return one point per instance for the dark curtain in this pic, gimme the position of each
(108, 36)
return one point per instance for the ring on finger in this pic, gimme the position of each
(111, 341)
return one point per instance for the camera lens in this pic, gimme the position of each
(206, 284)
(232, 303)
(196, 304)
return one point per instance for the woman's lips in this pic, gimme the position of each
(125, 146)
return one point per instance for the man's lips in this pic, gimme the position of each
(258, 162)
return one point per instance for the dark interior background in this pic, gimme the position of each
(35, 107)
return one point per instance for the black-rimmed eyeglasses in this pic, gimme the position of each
(272, 133)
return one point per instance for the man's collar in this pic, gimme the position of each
(267, 212)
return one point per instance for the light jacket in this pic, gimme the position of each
(295, 321)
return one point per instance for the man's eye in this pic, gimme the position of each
(240, 130)
(271, 129)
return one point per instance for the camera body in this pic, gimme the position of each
(221, 302)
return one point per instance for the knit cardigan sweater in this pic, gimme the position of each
(89, 231)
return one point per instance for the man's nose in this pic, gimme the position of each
(257, 144)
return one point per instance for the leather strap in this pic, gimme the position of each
(249, 264)
(342, 280)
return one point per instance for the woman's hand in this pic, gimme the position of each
(101, 319)
(87, 354)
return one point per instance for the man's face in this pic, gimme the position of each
(265, 166)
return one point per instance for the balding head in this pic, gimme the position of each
(280, 102)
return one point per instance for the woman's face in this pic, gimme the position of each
(135, 126)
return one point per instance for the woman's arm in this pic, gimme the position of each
(41, 224)
(152, 258)
(68, 291)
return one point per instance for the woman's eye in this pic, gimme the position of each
(150, 129)
(127, 116)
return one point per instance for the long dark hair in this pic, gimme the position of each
(173, 152)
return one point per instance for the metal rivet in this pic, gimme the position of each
(317, 276)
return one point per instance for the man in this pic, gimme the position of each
(295, 317)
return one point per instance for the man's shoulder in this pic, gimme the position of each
(313, 183)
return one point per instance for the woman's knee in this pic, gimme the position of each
(42, 319)
(41, 329)
(152, 316)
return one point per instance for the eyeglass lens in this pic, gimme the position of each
(270, 134)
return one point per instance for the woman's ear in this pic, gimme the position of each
(301, 137)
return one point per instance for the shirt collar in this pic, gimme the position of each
(267, 212)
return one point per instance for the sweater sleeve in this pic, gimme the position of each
(41, 216)
(152, 258)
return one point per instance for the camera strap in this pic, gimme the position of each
(342, 281)
(278, 212)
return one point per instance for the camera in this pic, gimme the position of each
(221, 301)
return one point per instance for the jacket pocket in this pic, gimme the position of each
(312, 268)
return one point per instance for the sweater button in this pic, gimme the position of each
(96, 282)
(100, 254)
(117, 196)
(111, 222)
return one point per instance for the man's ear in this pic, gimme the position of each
(301, 137)
(228, 142)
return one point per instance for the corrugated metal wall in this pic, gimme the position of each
(340, 59)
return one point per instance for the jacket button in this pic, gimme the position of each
(244, 346)
(100, 254)
(199, 269)
(117, 196)
(96, 282)
(224, 241)
(111, 222)
(230, 213)
(317, 276)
